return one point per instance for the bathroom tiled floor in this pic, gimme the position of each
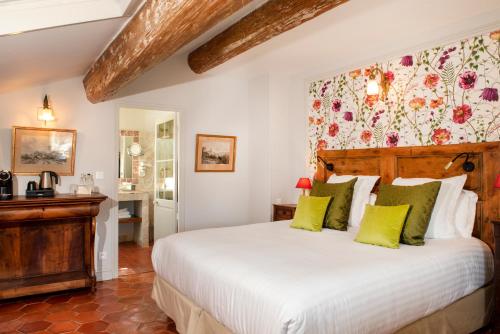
(134, 259)
(119, 306)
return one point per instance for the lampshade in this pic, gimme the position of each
(372, 87)
(45, 113)
(497, 182)
(304, 183)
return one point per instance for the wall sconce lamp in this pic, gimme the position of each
(497, 182)
(46, 113)
(373, 86)
(467, 166)
(328, 165)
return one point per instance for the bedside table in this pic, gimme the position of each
(283, 211)
(496, 279)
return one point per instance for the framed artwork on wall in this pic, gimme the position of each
(215, 153)
(39, 149)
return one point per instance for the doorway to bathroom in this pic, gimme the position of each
(148, 184)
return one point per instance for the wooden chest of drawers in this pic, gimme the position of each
(47, 244)
(283, 211)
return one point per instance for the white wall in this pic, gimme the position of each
(95, 148)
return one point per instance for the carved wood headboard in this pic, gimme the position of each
(428, 161)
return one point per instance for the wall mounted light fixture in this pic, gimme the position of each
(467, 166)
(46, 113)
(373, 86)
(328, 165)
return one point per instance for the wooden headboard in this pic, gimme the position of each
(428, 161)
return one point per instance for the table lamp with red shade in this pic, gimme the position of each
(304, 183)
(497, 182)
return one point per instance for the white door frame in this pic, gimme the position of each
(180, 170)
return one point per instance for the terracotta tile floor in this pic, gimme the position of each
(134, 259)
(119, 306)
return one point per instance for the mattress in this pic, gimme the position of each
(269, 278)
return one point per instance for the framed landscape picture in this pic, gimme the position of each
(215, 153)
(38, 149)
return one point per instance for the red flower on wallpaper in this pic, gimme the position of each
(320, 120)
(336, 105)
(462, 113)
(417, 103)
(321, 145)
(366, 136)
(367, 72)
(467, 80)
(441, 136)
(316, 104)
(392, 139)
(333, 129)
(354, 74)
(495, 35)
(431, 80)
(435, 103)
(389, 76)
(371, 100)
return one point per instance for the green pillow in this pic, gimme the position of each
(310, 213)
(421, 199)
(382, 225)
(337, 215)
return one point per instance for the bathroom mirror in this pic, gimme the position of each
(126, 170)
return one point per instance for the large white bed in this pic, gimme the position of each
(270, 278)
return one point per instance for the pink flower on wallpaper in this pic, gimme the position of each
(467, 80)
(392, 139)
(354, 74)
(371, 100)
(336, 105)
(407, 61)
(316, 104)
(441, 136)
(389, 76)
(333, 129)
(366, 136)
(311, 120)
(435, 103)
(321, 145)
(462, 113)
(348, 116)
(431, 80)
(417, 103)
(490, 94)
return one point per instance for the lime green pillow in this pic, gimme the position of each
(310, 213)
(382, 225)
(421, 199)
(337, 214)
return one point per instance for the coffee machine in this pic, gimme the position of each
(6, 185)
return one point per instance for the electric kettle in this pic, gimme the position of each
(47, 178)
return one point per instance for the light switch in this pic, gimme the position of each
(99, 175)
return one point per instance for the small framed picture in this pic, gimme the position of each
(215, 153)
(39, 149)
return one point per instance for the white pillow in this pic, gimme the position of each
(465, 215)
(442, 224)
(361, 196)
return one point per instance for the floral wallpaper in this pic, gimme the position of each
(444, 95)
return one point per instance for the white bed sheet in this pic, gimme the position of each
(269, 278)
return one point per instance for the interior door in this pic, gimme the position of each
(165, 202)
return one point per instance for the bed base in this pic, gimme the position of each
(466, 315)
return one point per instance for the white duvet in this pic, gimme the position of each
(270, 278)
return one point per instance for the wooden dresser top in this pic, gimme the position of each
(57, 199)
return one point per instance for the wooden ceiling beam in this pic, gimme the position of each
(269, 20)
(158, 30)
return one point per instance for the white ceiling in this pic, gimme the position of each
(48, 40)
